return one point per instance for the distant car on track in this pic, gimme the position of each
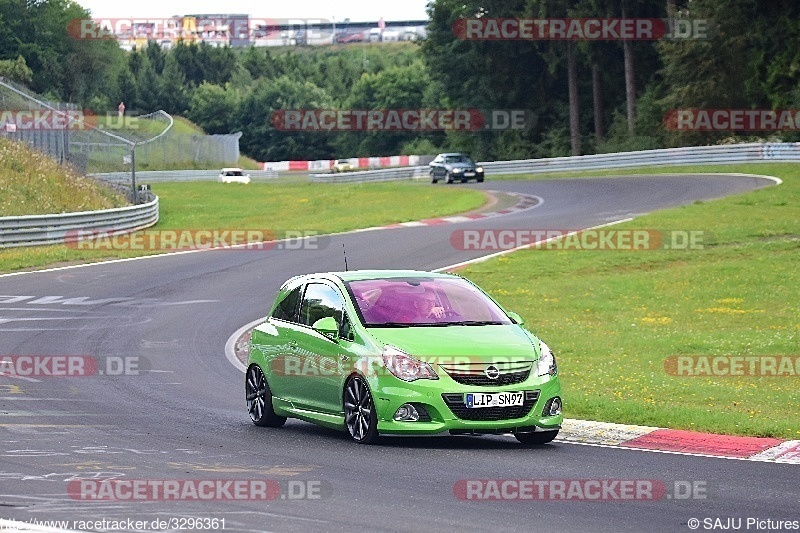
(455, 166)
(342, 165)
(233, 175)
(400, 353)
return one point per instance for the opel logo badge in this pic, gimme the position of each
(492, 372)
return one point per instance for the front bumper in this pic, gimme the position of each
(445, 413)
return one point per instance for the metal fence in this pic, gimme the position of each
(109, 142)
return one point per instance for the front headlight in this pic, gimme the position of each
(479, 170)
(458, 170)
(406, 367)
(547, 361)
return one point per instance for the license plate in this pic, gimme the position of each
(469, 174)
(494, 399)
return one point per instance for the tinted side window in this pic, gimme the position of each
(321, 301)
(287, 308)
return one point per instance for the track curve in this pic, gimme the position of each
(181, 417)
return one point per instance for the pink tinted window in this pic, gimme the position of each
(424, 301)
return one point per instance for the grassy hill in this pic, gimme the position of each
(34, 184)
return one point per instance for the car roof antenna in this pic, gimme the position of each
(344, 251)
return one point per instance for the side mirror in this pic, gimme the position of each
(516, 318)
(327, 326)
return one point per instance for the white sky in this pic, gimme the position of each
(356, 10)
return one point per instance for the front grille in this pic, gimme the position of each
(474, 374)
(481, 380)
(455, 401)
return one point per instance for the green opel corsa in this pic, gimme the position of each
(388, 352)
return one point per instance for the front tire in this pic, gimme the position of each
(259, 399)
(448, 178)
(360, 417)
(434, 179)
(538, 438)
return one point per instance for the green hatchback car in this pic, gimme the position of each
(400, 353)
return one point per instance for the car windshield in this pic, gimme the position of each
(406, 302)
(458, 159)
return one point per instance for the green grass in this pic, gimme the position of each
(275, 206)
(34, 184)
(614, 317)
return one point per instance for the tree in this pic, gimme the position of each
(214, 108)
(173, 90)
(262, 140)
(16, 70)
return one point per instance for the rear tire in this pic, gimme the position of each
(536, 439)
(434, 179)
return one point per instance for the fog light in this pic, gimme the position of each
(555, 407)
(406, 413)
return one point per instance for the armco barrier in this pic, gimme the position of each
(692, 155)
(35, 230)
(388, 174)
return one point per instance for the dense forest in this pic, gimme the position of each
(587, 96)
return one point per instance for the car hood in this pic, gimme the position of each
(479, 342)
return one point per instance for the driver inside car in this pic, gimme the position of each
(427, 307)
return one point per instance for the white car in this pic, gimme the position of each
(233, 175)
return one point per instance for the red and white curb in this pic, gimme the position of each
(680, 441)
(524, 201)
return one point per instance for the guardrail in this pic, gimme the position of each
(387, 174)
(160, 176)
(34, 230)
(691, 155)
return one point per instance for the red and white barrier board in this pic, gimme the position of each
(323, 165)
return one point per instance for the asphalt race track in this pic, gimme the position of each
(177, 412)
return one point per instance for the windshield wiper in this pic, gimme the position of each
(390, 325)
